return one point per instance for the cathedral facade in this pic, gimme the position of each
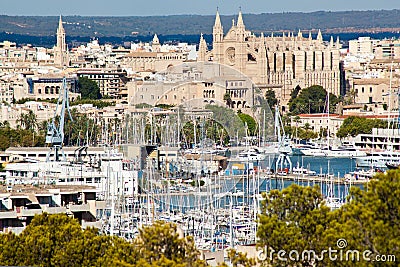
(279, 63)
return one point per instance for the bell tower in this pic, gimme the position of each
(218, 36)
(61, 50)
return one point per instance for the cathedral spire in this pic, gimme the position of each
(217, 23)
(240, 22)
(300, 34)
(218, 32)
(202, 49)
(155, 39)
(60, 26)
(319, 36)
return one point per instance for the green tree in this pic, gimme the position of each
(271, 98)
(292, 219)
(370, 221)
(161, 245)
(238, 259)
(82, 130)
(89, 89)
(228, 99)
(96, 103)
(249, 121)
(58, 240)
(354, 125)
(350, 97)
(297, 219)
(28, 121)
(311, 100)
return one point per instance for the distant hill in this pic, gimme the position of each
(78, 27)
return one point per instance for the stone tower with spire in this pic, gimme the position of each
(61, 49)
(202, 49)
(156, 46)
(218, 37)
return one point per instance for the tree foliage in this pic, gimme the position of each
(300, 133)
(58, 240)
(94, 102)
(19, 137)
(291, 219)
(228, 119)
(354, 125)
(82, 130)
(297, 219)
(311, 100)
(28, 121)
(89, 88)
(271, 98)
(249, 121)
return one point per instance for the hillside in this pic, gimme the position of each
(344, 21)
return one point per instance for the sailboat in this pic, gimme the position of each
(331, 200)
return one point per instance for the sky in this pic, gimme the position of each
(178, 7)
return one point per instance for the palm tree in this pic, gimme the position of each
(307, 126)
(28, 121)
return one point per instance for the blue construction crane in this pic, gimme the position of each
(284, 148)
(55, 131)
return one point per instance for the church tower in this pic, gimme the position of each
(218, 36)
(60, 50)
(202, 49)
(241, 30)
(241, 45)
(156, 47)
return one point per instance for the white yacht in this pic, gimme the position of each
(312, 150)
(302, 171)
(348, 151)
(360, 175)
(251, 154)
(378, 159)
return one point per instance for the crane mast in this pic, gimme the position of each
(55, 129)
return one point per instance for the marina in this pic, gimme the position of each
(212, 192)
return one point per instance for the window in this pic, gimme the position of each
(370, 89)
(362, 90)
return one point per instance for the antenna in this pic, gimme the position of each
(55, 132)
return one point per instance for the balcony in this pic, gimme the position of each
(8, 215)
(79, 208)
(30, 212)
